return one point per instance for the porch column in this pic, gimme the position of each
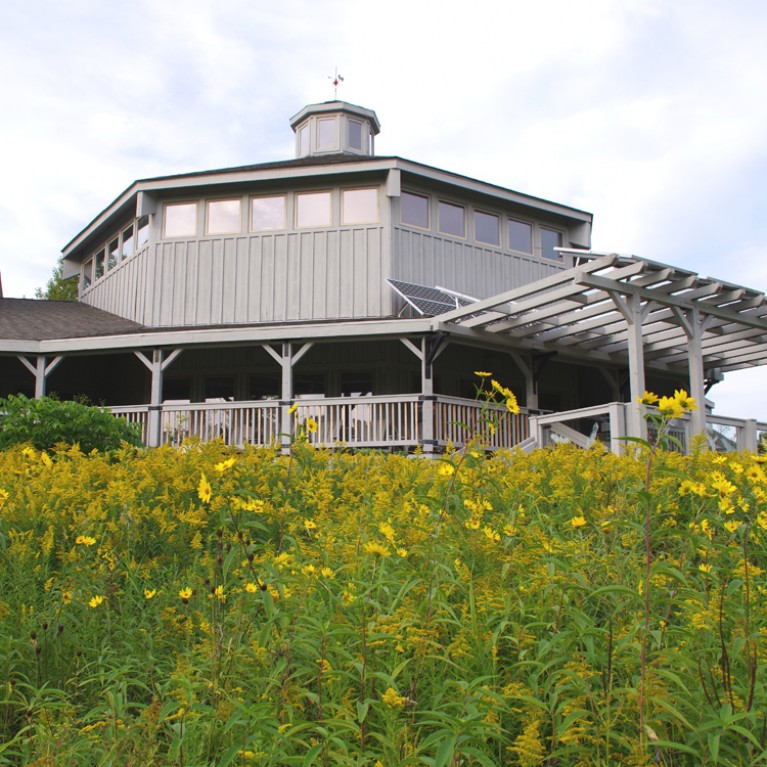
(427, 441)
(427, 397)
(156, 366)
(286, 358)
(40, 370)
(693, 325)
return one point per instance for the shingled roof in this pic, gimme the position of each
(28, 319)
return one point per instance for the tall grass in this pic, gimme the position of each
(204, 607)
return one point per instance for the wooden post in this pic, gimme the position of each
(156, 366)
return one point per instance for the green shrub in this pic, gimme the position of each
(46, 422)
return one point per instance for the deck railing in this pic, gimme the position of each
(408, 421)
(387, 421)
(608, 424)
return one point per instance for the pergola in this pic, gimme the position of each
(625, 309)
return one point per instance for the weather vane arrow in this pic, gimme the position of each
(337, 80)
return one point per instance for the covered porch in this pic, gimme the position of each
(578, 348)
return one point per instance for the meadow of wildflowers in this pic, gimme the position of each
(207, 607)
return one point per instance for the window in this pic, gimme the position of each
(451, 219)
(113, 250)
(267, 213)
(550, 239)
(520, 236)
(327, 134)
(142, 234)
(224, 216)
(313, 209)
(355, 135)
(414, 210)
(87, 274)
(486, 228)
(99, 264)
(359, 206)
(303, 140)
(181, 219)
(127, 239)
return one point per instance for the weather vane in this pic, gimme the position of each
(337, 80)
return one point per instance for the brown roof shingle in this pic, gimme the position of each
(29, 319)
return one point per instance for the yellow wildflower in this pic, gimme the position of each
(511, 404)
(704, 568)
(648, 398)
(150, 593)
(46, 459)
(96, 601)
(482, 373)
(66, 597)
(491, 534)
(326, 572)
(85, 540)
(185, 594)
(686, 402)
(669, 407)
(578, 521)
(311, 425)
(732, 525)
(447, 469)
(393, 699)
(204, 491)
(292, 409)
(225, 465)
(387, 531)
(29, 453)
(251, 588)
(402, 552)
(218, 593)
(3, 497)
(310, 525)
(376, 549)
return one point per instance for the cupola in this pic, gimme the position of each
(335, 127)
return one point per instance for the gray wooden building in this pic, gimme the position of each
(366, 290)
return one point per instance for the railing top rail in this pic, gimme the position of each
(443, 398)
(586, 412)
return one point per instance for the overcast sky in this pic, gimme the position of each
(648, 113)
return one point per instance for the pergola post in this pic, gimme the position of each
(631, 308)
(693, 327)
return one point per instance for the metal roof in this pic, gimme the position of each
(585, 312)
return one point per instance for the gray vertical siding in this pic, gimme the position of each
(430, 259)
(332, 273)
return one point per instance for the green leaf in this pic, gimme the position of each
(310, 755)
(445, 751)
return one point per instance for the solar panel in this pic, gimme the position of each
(427, 301)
